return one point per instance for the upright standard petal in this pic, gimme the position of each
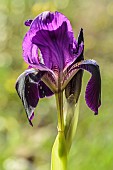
(49, 21)
(28, 22)
(93, 89)
(78, 51)
(52, 34)
(30, 51)
(80, 46)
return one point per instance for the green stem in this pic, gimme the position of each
(59, 102)
(59, 151)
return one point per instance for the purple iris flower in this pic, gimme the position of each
(56, 63)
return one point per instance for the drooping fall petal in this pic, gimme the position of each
(44, 90)
(93, 89)
(28, 89)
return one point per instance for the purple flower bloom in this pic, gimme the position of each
(56, 63)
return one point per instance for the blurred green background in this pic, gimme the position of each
(23, 147)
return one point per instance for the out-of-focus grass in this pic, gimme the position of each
(23, 147)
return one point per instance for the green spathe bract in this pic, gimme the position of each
(59, 153)
(71, 123)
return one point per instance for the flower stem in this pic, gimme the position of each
(59, 151)
(59, 102)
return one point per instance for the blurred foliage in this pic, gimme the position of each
(23, 147)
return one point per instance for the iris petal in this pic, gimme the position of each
(30, 51)
(79, 47)
(49, 21)
(80, 37)
(44, 91)
(52, 33)
(74, 87)
(55, 46)
(78, 51)
(93, 89)
(80, 43)
(28, 90)
(28, 22)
